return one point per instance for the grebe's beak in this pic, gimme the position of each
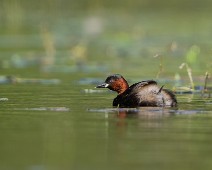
(103, 85)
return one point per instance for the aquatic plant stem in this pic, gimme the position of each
(205, 90)
(206, 80)
(189, 71)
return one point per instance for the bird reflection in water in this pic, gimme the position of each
(145, 112)
(151, 117)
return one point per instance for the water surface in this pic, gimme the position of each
(61, 127)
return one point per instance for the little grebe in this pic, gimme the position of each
(144, 93)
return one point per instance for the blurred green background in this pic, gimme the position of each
(141, 38)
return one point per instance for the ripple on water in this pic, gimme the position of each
(149, 111)
(54, 109)
(4, 99)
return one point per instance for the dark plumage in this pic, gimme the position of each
(144, 93)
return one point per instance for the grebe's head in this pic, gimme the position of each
(116, 83)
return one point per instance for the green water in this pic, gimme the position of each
(56, 52)
(61, 127)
